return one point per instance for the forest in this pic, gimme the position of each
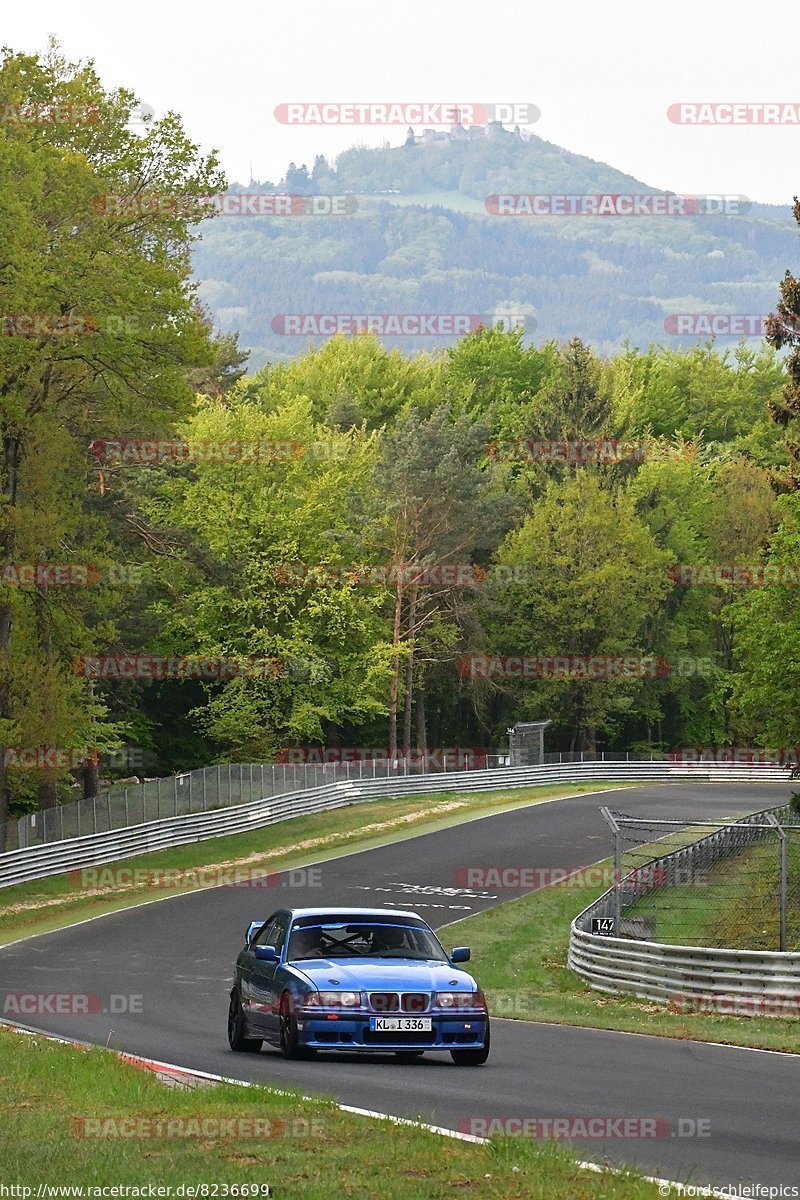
(359, 546)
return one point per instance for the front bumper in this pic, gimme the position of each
(352, 1032)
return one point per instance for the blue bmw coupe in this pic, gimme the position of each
(368, 979)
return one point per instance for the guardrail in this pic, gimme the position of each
(753, 982)
(227, 784)
(36, 862)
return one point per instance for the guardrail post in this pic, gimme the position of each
(773, 820)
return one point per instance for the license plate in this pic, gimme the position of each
(400, 1024)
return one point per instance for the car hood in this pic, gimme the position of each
(384, 974)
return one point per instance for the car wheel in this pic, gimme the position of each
(237, 1028)
(472, 1058)
(289, 1035)
(408, 1055)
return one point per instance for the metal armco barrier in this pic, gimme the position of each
(55, 858)
(749, 982)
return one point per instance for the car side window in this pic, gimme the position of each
(281, 928)
(264, 937)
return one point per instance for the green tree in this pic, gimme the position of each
(782, 331)
(114, 327)
(439, 509)
(579, 578)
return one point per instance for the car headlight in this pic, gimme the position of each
(332, 1000)
(460, 1000)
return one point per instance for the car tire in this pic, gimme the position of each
(408, 1055)
(472, 1058)
(237, 1037)
(289, 1035)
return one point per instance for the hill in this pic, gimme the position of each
(422, 241)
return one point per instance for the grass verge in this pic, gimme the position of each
(59, 900)
(519, 951)
(54, 1095)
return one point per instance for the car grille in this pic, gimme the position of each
(393, 1002)
(414, 1002)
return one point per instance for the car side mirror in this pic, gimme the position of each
(266, 953)
(460, 954)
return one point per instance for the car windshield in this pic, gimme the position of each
(363, 939)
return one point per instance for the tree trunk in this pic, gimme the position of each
(409, 688)
(48, 792)
(422, 737)
(394, 682)
(11, 457)
(90, 777)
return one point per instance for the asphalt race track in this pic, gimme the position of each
(177, 955)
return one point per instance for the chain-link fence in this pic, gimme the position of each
(729, 883)
(220, 786)
(227, 784)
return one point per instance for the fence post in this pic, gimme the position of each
(204, 790)
(773, 820)
(606, 812)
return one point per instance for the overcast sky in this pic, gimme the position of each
(603, 75)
